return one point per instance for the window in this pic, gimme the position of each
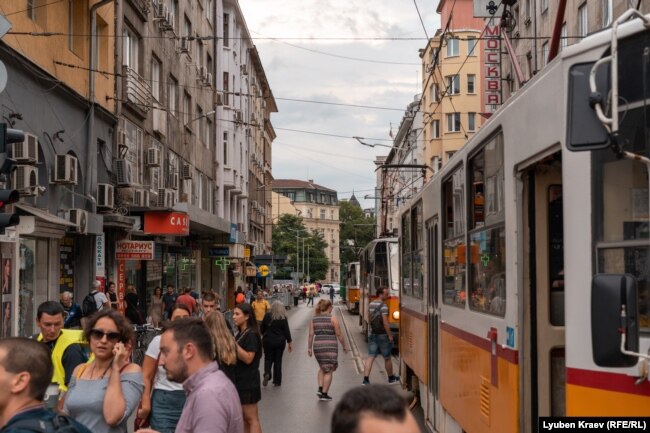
(471, 81)
(454, 248)
(471, 45)
(436, 164)
(226, 30)
(210, 135)
(102, 41)
(583, 24)
(544, 6)
(187, 108)
(412, 245)
(210, 66)
(226, 88)
(607, 12)
(452, 47)
(155, 78)
(332, 214)
(200, 119)
(453, 122)
(225, 148)
(134, 150)
(435, 94)
(172, 95)
(187, 27)
(471, 121)
(564, 41)
(77, 26)
(155, 180)
(130, 48)
(323, 214)
(435, 128)
(544, 53)
(209, 10)
(453, 84)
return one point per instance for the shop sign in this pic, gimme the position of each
(492, 56)
(121, 285)
(247, 253)
(167, 223)
(219, 251)
(99, 256)
(488, 8)
(134, 250)
(233, 233)
(251, 271)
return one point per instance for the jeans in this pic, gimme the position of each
(273, 357)
(166, 408)
(379, 343)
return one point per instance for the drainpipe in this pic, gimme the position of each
(91, 144)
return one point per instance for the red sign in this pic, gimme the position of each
(134, 250)
(167, 223)
(121, 285)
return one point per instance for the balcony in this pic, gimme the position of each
(228, 178)
(136, 91)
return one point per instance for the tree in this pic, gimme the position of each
(355, 233)
(284, 243)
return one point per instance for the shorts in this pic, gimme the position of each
(379, 343)
(250, 396)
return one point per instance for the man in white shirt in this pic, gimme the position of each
(100, 298)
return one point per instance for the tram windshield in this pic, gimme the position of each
(387, 265)
(394, 266)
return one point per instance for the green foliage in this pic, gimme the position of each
(284, 243)
(356, 232)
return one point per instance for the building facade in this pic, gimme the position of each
(318, 207)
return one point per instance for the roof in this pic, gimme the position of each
(299, 184)
(353, 200)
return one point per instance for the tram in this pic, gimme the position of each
(379, 267)
(352, 283)
(521, 255)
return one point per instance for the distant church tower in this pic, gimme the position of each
(353, 200)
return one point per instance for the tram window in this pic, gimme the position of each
(486, 170)
(633, 260)
(487, 290)
(406, 253)
(556, 254)
(411, 246)
(454, 247)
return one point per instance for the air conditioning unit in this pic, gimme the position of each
(166, 197)
(141, 197)
(25, 178)
(79, 217)
(185, 45)
(186, 171)
(105, 195)
(172, 181)
(238, 116)
(244, 71)
(123, 173)
(65, 169)
(153, 157)
(26, 151)
(160, 10)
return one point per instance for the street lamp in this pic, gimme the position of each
(209, 113)
(297, 246)
(360, 140)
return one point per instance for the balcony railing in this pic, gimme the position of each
(137, 91)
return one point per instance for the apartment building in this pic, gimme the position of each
(318, 207)
(136, 163)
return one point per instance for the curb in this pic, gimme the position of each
(356, 357)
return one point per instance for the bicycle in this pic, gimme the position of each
(143, 336)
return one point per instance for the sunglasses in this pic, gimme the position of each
(98, 334)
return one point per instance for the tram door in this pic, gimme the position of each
(432, 322)
(543, 336)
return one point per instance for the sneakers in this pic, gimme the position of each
(393, 380)
(365, 381)
(325, 397)
(319, 393)
(267, 377)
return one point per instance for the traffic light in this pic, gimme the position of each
(9, 135)
(8, 196)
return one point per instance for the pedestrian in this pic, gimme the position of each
(276, 335)
(310, 295)
(248, 294)
(156, 308)
(380, 340)
(162, 400)
(304, 293)
(132, 311)
(225, 346)
(187, 299)
(94, 301)
(373, 409)
(209, 303)
(112, 296)
(71, 311)
(105, 392)
(187, 356)
(240, 298)
(324, 330)
(260, 307)
(25, 372)
(66, 345)
(332, 293)
(296, 296)
(169, 299)
(247, 371)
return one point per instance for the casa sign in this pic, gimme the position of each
(166, 223)
(134, 250)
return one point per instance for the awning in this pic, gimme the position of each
(43, 215)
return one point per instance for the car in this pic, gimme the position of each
(325, 288)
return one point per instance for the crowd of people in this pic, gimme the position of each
(202, 373)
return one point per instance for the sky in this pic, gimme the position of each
(348, 70)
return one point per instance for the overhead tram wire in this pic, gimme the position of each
(421, 20)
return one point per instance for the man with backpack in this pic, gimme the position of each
(380, 339)
(25, 372)
(94, 301)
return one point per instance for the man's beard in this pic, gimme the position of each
(180, 376)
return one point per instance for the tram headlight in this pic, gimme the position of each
(396, 315)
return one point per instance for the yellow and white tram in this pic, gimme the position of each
(352, 287)
(504, 314)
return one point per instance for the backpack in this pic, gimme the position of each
(58, 424)
(377, 320)
(89, 304)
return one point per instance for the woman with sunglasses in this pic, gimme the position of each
(247, 369)
(165, 403)
(104, 392)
